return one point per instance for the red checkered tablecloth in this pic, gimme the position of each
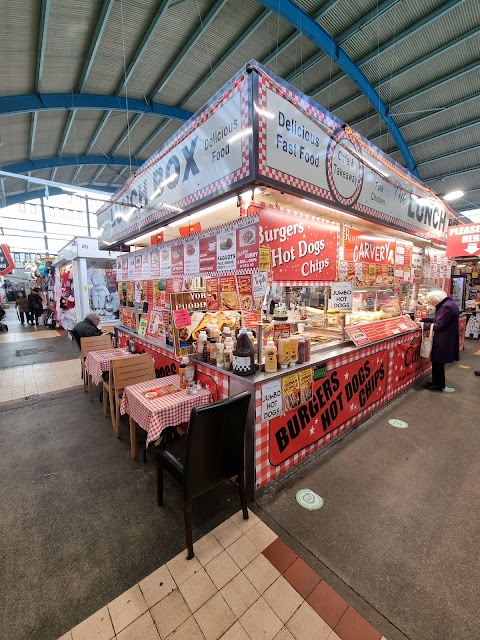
(97, 362)
(154, 415)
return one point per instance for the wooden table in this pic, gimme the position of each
(156, 414)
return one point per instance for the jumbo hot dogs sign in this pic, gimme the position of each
(342, 394)
(301, 247)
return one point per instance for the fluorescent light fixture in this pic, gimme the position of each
(145, 235)
(168, 180)
(373, 166)
(240, 134)
(453, 195)
(422, 201)
(215, 207)
(262, 112)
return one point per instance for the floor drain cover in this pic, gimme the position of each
(33, 351)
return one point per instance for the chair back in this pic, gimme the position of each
(215, 447)
(75, 337)
(108, 328)
(128, 371)
(95, 343)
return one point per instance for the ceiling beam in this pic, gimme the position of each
(40, 164)
(39, 66)
(40, 193)
(32, 103)
(290, 12)
(450, 154)
(455, 174)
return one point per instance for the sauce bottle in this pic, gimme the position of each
(243, 355)
(307, 346)
(283, 352)
(301, 349)
(212, 351)
(219, 355)
(270, 357)
(201, 341)
(228, 356)
(293, 350)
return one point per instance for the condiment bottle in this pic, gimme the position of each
(243, 355)
(212, 351)
(293, 350)
(182, 373)
(189, 372)
(219, 355)
(226, 333)
(307, 346)
(283, 352)
(201, 341)
(301, 349)
(228, 356)
(270, 357)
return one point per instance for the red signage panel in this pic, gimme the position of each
(463, 240)
(363, 334)
(7, 265)
(336, 398)
(407, 363)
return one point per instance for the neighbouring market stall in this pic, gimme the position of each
(85, 280)
(279, 218)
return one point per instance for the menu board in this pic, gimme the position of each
(124, 268)
(131, 267)
(192, 257)
(165, 262)
(368, 260)
(155, 264)
(138, 266)
(146, 264)
(363, 334)
(177, 253)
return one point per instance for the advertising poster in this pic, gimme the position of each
(137, 291)
(264, 261)
(227, 251)
(358, 246)
(228, 293)
(211, 290)
(247, 248)
(336, 398)
(146, 264)
(245, 293)
(138, 266)
(192, 257)
(131, 267)
(130, 291)
(159, 292)
(305, 379)
(124, 268)
(155, 263)
(259, 286)
(291, 391)
(300, 248)
(187, 307)
(208, 254)
(142, 325)
(407, 362)
(177, 252)
(165, 262)
(155, 325)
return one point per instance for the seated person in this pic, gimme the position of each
(88, 328)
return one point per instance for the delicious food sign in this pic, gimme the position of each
(339, 396)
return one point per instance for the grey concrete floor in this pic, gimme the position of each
(80, 523)
(399, 532)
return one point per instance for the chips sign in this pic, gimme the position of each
(7, 265)
(339, 396)
(463, 240)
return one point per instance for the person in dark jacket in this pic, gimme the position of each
(445, 336)
(35, 306)
(21, 304)
(88, 328)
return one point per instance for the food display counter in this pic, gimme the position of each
(293, 253)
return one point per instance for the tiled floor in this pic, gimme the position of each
(243, 584)
(39, 334)
(20, 382)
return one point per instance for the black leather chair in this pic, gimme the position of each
(213, 450)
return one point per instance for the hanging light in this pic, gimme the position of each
(453, 195)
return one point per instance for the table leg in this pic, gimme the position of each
(89, 385)
(133, 438)
(111, 397)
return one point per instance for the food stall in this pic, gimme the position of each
(263, 195)
(85, 280)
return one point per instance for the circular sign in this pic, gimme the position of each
(344, 169)
(448, 389)
(400, 424)
(308, 499)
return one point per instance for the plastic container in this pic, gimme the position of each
(182, 372)
(243, 355)
(270, 357)
(283, 355)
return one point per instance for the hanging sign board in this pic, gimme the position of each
(206, 157)
(463, 240)
(341, 296)
(7, 264)
(363, 334)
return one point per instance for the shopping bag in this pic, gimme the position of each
(427, 342)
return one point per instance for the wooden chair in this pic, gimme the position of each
(95, 343)
(124, 373)
(108, 328)
(213, 451)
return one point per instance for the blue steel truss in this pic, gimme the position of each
(300, 20)
(68, 161)
(25, 196)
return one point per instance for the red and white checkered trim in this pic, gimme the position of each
(266, 472)
(97, 362)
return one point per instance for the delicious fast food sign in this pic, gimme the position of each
(339, 396)
(463, 240)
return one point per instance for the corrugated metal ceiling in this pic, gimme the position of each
(421, 56)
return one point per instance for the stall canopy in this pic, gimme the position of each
(259, 129)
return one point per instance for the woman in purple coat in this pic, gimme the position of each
(445, 336)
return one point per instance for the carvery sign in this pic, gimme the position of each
(463, 240)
